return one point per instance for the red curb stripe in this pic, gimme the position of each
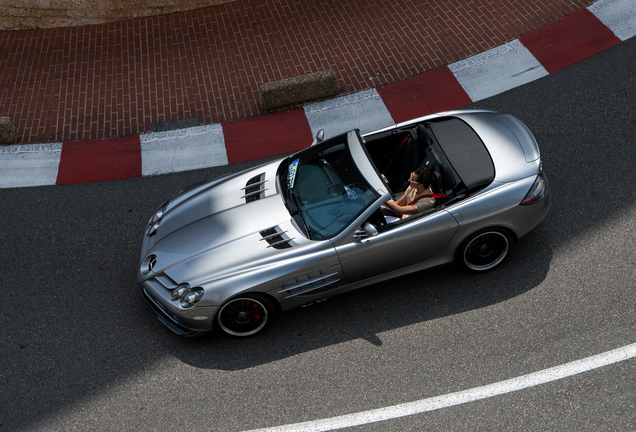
(96, 160)
(428, 93)
(574, 38)
(267, 135)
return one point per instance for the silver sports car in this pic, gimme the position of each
(231, 253)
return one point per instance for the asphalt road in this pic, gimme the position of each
(80, 350)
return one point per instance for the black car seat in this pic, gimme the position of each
(438, 187)
(406, 159)
(424, 134)
(448, 181)
(426, 140)
(412, 154)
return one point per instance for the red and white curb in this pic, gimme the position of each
(576, 37)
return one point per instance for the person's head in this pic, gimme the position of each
(421, 178)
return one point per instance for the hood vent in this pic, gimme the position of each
(254, 188)
(276, 238)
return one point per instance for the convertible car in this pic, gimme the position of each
(231, 253)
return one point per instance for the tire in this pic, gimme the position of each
(245, 315)
(484, 250)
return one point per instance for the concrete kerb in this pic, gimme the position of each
(481, 76)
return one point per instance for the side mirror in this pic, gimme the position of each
(320, 136)
(368, 230)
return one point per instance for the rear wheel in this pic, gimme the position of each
(245, 315)
(485, 249)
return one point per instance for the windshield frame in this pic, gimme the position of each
(364, 171)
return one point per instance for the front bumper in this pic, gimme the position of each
(183, 322)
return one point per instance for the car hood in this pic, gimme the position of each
(212, 230)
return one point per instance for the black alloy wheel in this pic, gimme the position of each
(245, 315)
(485, 250)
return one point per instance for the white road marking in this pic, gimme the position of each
(497, 70)
(182, 149)
(29, 164)
(511, 385)
(618, 15)
(364, 110)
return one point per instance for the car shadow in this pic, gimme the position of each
(369, 312)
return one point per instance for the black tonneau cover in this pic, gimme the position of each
(465, 152)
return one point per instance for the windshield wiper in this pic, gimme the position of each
(291, 203)
(299, 216)
(295, 211)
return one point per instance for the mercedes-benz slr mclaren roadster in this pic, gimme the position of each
(231, 253)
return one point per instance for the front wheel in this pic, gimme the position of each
(484, 250)
(245, 315)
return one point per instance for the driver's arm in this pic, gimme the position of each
(399, 207)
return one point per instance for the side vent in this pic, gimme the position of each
(276, 238)
(254, 188)
(310, 285)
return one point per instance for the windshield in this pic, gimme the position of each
(325, 188)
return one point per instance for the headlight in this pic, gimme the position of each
(153, 228)
(186, 296)
(159, 214)
(537, 191)
(191, 298)
(156, 219)
(179, 292)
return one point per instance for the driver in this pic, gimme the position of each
(417, 198)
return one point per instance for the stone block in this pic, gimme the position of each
(296, 90)
(8, 132)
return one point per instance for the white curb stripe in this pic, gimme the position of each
(497, 70)
(515, 384)
(182, 150)
(29, 165)
(364, 110)
(483, 75)
(618, 15)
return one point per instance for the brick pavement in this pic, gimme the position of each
(118, 79)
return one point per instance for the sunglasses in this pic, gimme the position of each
(411, 180)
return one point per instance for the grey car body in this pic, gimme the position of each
(231, 252)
